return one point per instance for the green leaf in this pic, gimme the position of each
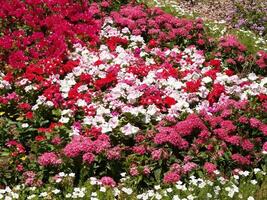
(157, 174)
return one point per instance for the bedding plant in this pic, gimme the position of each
(115, 100)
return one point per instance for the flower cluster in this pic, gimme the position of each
(95, 91)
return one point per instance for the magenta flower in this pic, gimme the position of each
(108, 181)
(49, 159)
(88, 158)
(209, 167)
(171, 177)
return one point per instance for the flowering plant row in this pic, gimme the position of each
(243, 185)
(95, 92)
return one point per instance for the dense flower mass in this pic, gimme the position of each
(99, 91)
(48, 158)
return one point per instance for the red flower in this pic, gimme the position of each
(39, 138)
(262, 97)
(215, 63)
(229, 72)
(152, 43)
(192, 86)
(17, 59)
(216, 92)
(169, 101)
(113, 42)
(262, 61)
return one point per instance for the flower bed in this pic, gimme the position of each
(104, 100)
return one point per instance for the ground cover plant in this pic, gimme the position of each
(222, 18)
(116, 100)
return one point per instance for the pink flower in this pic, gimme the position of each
(77, 146)
(141, 150)
(263, 129)
(17, 59)
(88, 158)
(247, 145)
(156, 154)
(209, 167)
(175, 167)
(235, 140)
(108, 181)
(240, 159)
(228, 126)
(114, 153)
(146, 170)
(171, 177)
(264, 147)
(134, 170)
(56, 140)
(189, 167)
(255, 123)
(49, 159)
(19, 168)
(243, 120)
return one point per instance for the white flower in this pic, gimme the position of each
(256, 170)
(128, 191)
(125, 30)
(250, 198)
(222, 180)
(32, 188)
(209, 182)
(245, 173)
(176, 197)
(25, 125)
(252, 77)
(191, 197)
(236, 177)
(254, 182)
(94, 194)
(103, 189)
(49, 103)
(152, 109)
(202, 185)
(116, 192)
(81, 103)
(101, 111)
(71, 174)
(113, 122)
(158, 196)
(56, 191)
(15, 195)
(209, 195)
(31, 196)
(81, 194)
(58, 180)
(129, 129)
(123, 174)
(61, 174)
(93, 180)
(157, 187)
(207, 79)
(82, 88)
(43, 194)
(169, 190)
(217, 172)
(8, 198)
(64, 120)
(68, 195)
(17, 187)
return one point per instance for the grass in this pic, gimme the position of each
(253, 42)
